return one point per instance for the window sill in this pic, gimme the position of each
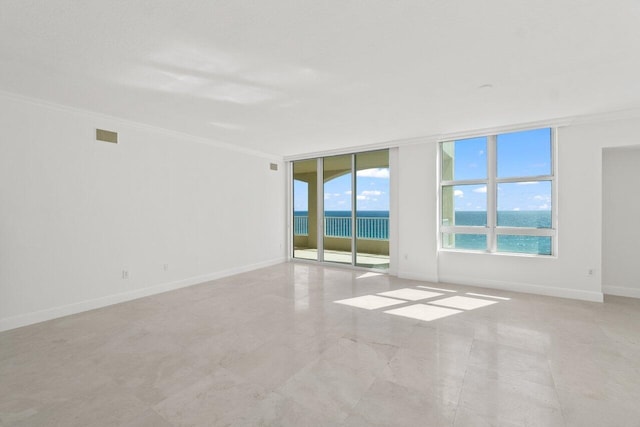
(505, 254)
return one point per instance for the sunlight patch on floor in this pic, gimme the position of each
(431, 310)
(463, 303)
(423, 312)
(436, 289)
(410, 294)
(370, 302)
(488, 296)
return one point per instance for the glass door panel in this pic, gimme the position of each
(372, 209)
(305, 209)
(338, 209)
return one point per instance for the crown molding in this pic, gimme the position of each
(552, 122)
(434, 138)
(137, 125)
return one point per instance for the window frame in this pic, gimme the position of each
(492, 230)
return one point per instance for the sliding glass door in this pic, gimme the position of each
(372, 209)
(305, 209)
(350, 208)
(338, 209)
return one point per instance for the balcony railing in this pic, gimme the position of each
(374, 228)
(300, 225)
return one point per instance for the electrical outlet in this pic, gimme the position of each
(125, 274)
(590, 272)
(165, 267)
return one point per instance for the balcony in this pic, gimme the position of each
(372, 240)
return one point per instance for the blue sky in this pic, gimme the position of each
(520, 196)
(372, 193)
(519, 154)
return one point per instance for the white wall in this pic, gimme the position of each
(417, 213)
(621, 213)
(579, 182)
(74, 212)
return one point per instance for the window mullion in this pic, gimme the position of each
(525, 231)
(517, 228)
(354, 204)
(463, 182)
(462, 229)
(491, 193)
(524, 179)
(320, 222)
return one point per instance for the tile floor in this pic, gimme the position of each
(273, 347)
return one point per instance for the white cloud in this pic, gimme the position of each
(542, 197)
(528, 183)
(371, 193)
(481, 190)
(327, 196)
(543, 206)
(516, 209)
(361, 197)
(458, 193)
(348, 192)
(374, 173)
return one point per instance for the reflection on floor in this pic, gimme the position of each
(270, 347)
(364, 260)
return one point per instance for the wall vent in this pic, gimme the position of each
(273, 166)
(107, 136)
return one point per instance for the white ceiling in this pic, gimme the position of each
(299, 76)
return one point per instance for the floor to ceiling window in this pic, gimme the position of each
(338, 209)
(372, 209)
(305, 212)
(351, 205)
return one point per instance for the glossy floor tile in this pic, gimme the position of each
(304, 345)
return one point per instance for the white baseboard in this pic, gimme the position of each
(621, 291)
(78, 307)
(526, 288)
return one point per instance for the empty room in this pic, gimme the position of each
(319, 213)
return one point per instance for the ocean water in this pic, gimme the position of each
(540, 245)
(534, 219)
(375, 225)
